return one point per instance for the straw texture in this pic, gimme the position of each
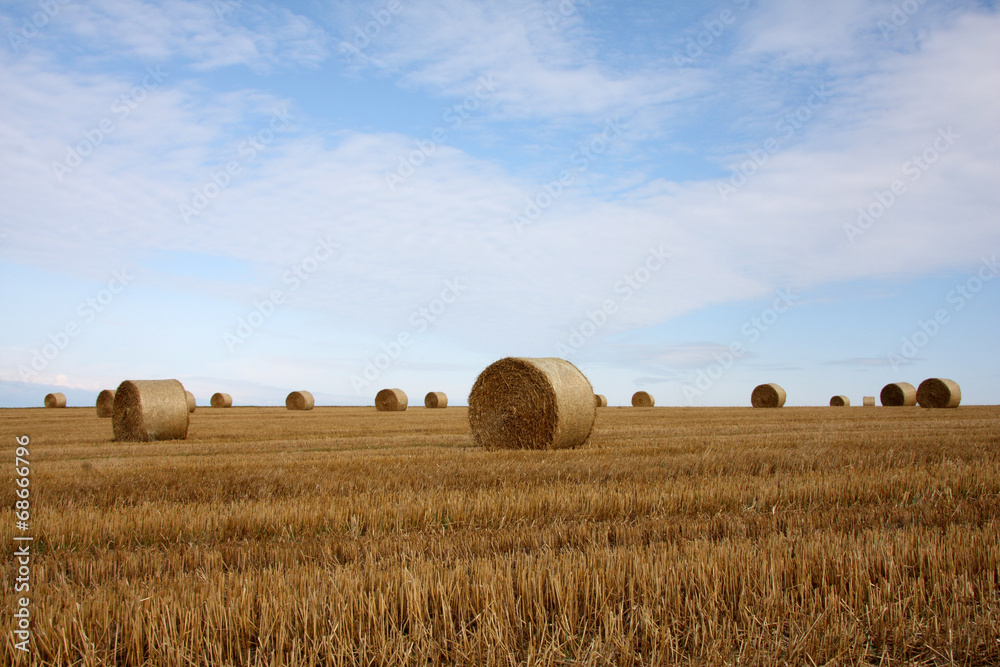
(105, 403)
(939, 393)
(531, 403)
(390, 400)
(435, 399)
(768, 396)
(150, 410)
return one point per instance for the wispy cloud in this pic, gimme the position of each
(205, 35)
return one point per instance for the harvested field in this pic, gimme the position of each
(676, 536)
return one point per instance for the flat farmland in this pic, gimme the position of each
(693, 536)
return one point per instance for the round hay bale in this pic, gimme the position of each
(105, 403)
(600, 401)
(436, 399)
(150, 410)
(220, 400)
(899, 394)
(525, 403)
(768, 396)
(868, 401)
(300, 400)
(192, 404)
(939, 393)
(840, 402)
(643, 399)
(56, 400)
(390, 400)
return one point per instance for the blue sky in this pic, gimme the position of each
(686, 198)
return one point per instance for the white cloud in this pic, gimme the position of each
(452, 218)
(207, 35)
(544, 71)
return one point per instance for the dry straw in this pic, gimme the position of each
(939, 393)
(868, 401)
(220, 400)
(436, 399)
(899, 394)
(300, 400)
(105, 403)
(840, 402)
(600, 400)
(55, 400)
(150, 410)
(768, 396)
(390, 400)
(525, 403)
(643, 399)
(192, 404)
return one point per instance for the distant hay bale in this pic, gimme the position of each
(868, 401)
(643, 399)
(840, 402)
(192, 404)
(531, 403)
(390, 400)
(939, 393)
(105, 403)
(150, 410)
(899, 394)
(55, 400)
(768, 396)
(220, 400)
(300, 400)
(600, 401)
(436, 399)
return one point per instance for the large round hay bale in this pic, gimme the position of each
(105, 403)
(840, 402)
(868, 401)
(939, 393)
(150, 410)
(56, 400)
(300, 400)
(768, 395)
(192, 404)
(525, 403)
(436, 399)
(220, 400)
(643, 399)
(600, 401)
(390, 400)
(899, 394)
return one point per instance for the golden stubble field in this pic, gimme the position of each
(728, 536)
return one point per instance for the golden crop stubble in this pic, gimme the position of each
(677, 536)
